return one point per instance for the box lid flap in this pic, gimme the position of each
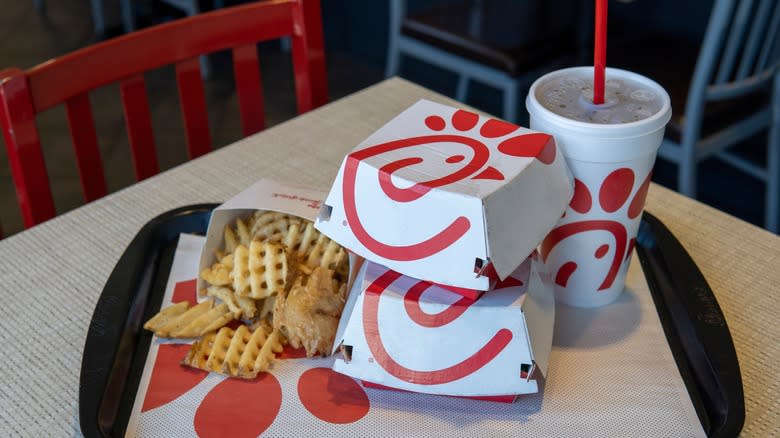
(539, 311)
(304, 202)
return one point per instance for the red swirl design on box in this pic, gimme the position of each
(613, 194)
(465, 367)
(531, 145)
(415, 312)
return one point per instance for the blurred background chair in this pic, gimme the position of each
(505, 44)
(724, 91)
(24, 94)
(192, 8)
(189, 7)
(98, 15)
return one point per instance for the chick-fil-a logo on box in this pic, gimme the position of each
(473, 361)
(425, 338)
(457, 150)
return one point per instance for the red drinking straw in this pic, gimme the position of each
(600, 52)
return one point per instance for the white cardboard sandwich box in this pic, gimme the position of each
(443, 194)
(402, 333)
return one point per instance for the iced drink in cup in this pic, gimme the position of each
(610, 149)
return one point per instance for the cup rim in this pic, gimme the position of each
(614, 130)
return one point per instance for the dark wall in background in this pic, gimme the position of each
(358, 27)
(361, 27)
(683, 18)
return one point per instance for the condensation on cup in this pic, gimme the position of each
(610, 150)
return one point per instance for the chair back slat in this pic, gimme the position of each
(142, 51)
(757, 32)
(308, 54)
(85, 144)
(138, 121)
(192, 99)
(25, 156)
(246, 69)
(24, 94)
(734, 40)
(769, 51)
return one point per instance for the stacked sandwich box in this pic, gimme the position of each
(448, 207)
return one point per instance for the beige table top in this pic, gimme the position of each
(52, 275)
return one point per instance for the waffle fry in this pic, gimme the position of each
(210, 321)
(300, 237)
(236, 353)
(248, 306)
(231, 241)
(240, 271)
(267, 269)
(271, 226)
(259, 271)
(266, 306)
(239, 306)
(265, 323)
(195, 321)
(266, 354)
(227, 261)
(200, 351)
(243, 231)
(227, 341)
(313, 255)
(180, 321)
(219, 273)
(329, 256)
(165, 316)
(315, 249)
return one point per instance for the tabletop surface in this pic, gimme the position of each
(52, 275)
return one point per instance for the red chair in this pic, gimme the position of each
(68, 80)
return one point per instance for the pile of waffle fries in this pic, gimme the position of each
(280, 278)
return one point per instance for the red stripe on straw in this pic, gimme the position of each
(600, 52)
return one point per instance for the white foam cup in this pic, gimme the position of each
(610, 150)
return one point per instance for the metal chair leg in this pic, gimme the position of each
(393, 62)
(462, 92)
(128, 19)
(686, 169)
(205, 67)
(772, 214)
(510, 101)
(193, 9)
(397, 11)
(97, 17)
(285, 43)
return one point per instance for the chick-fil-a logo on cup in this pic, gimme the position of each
(478, 167)
(589, 250)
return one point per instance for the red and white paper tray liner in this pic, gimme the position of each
(611, 373)
(438, 193)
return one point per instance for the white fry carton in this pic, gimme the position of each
(263, 195)
(440, 194)
(408, 334)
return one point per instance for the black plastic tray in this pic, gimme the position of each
(116, 346)
(695, 329)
